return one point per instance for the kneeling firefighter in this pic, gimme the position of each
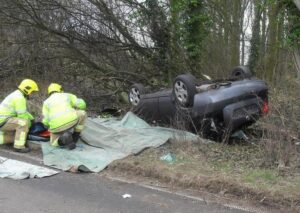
(64, 115)
(15, 120)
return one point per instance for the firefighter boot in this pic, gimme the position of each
(76, 136)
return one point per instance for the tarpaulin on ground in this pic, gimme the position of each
(18, 170)
(110, 139)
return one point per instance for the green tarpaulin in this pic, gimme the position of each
(110, 139)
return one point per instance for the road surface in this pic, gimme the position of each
(67, 192)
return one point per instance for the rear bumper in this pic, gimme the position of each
(242, 113)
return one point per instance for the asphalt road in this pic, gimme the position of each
(67, 192)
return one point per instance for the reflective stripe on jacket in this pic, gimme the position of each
(59, 109)
(14, 105)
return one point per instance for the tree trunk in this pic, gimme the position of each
(263, 38)
(255, 39)
(235, 34)
(297, 50)
(297, 3)
(297, 61)
(271, 55)
(226, 37)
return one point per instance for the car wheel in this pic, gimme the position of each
(241, 72)
(135, 92)
(184, 89)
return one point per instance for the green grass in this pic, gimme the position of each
(266, 176)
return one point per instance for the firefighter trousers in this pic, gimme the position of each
(15, 131)
(77, 125)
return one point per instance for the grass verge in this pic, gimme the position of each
(229, 170)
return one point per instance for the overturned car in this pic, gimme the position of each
(212, 108)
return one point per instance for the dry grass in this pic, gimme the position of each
(230, 170)
(267, 170)
(281, 128)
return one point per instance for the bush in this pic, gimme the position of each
(281, 127)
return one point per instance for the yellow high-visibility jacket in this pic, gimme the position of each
(60, 109)
(14, 105)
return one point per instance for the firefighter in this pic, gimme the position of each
(15, 120)
(64, 115)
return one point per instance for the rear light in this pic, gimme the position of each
(265, 107)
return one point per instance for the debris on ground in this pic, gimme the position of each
(169, 158)
(126, 196)
(240, 134)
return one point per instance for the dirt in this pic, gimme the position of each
(235, 172)
(231, 171)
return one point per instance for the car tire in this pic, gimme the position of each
(184, 89)
(241, 72)
(135, 92)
